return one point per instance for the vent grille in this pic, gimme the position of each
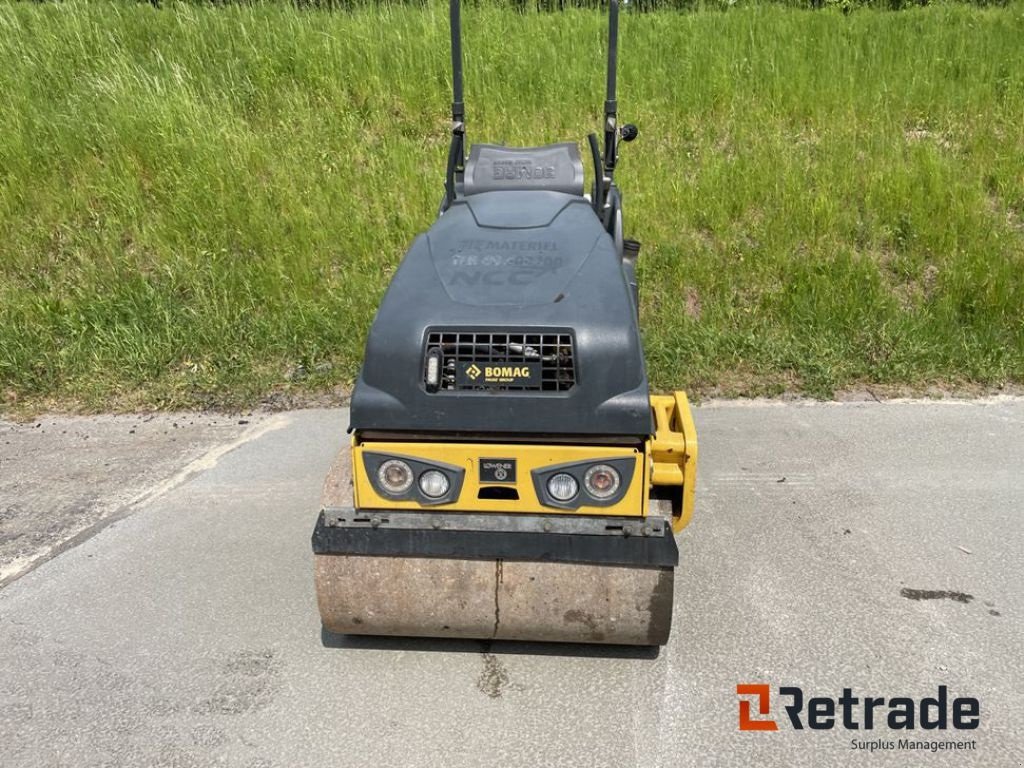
(550, 353)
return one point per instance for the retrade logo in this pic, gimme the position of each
(763, 693)
(854, 713)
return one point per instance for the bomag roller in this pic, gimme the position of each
(509, 474)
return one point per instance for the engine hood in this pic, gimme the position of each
(508, 262)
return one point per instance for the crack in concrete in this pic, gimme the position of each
(497, 607)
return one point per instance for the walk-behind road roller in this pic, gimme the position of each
(510, 476)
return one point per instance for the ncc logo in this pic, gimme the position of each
(761, 693)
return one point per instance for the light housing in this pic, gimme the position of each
(388, 478)
(432, 376)
(434, 483)
(394, 476)
(563, 486)
(602, 481)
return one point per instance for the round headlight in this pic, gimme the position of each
(434, 483)
(602, 481)
(394, 476)
(563, 486)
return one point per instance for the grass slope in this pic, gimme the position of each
(202, 205)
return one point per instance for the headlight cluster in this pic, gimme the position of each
(592, 484)
(407, 478)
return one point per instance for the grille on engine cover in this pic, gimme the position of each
(531, 361)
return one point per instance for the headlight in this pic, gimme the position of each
(602, 481)
(434, 483)
(563, 486)
(394, 476)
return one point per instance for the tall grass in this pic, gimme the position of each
(202, 205)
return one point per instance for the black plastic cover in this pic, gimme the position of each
(556, 167)
(504, 260)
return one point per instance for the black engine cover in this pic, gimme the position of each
(516, 262)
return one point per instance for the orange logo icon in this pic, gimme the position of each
(763, 707)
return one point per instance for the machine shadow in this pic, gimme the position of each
(501, 647)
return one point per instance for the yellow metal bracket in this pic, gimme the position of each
(673, 452)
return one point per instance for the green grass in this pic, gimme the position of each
(202, 205)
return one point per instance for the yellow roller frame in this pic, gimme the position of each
(672, 452)
(528, 457)
(669, 459)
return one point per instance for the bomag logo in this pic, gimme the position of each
(522, 374)
(506, 372)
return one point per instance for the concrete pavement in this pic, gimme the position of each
(869, 546)
(63, 477)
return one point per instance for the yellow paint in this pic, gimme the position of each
(673, 452)
(669, 458)
(528, 457)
